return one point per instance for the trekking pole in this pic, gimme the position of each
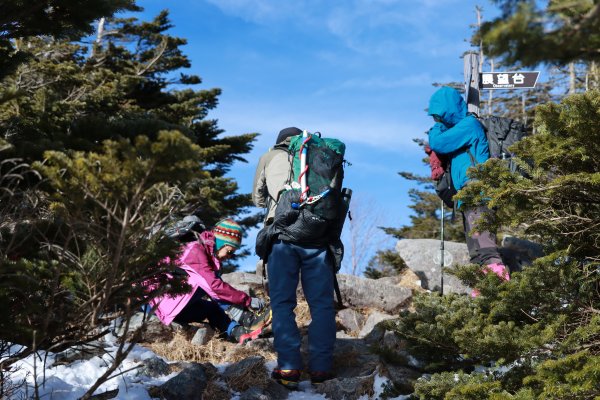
(442, 250)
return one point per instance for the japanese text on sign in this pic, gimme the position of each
(509, 80)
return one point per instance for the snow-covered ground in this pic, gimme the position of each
(70, 382)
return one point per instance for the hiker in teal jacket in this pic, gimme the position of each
(454, 132)
(461, 138)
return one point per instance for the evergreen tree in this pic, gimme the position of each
(545, 321)
(74, 99)
(426, 222)
(562, 32)
(385, 263)
(22, 19)
(536, 336)
(119, 144)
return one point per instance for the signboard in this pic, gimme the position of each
(508, 80)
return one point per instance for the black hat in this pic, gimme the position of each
(286, 133)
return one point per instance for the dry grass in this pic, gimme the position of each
(216, 351)
(220, 351)
(409, 280)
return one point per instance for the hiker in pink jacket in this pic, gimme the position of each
(226, 308)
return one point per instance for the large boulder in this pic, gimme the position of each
(371, 293)
(422, 256)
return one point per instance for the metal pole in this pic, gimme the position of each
(442, 250)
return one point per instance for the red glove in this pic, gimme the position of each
(435, 163)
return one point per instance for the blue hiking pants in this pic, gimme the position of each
(287, 264)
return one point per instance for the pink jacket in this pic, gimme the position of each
(198, 260)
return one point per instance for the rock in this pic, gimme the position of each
(154, 331)
(275, 391)
(371, 325)
(210, 370)
(422, 256)
(254, 393)
(518, 253)
(370, 293)
(260, 269)
(343, 335)
(154, 367)
(247, 373)
(347, 388)
(242, 278)
(80, 352)
(189, 384)
(352, 357)
(217, 390)
(403, 378)
(110, 394)
(351, 320)
(262, 344)
(203, 335)
(392, 342)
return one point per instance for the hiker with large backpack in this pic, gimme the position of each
(459, 138)
(227, 309)
(299, 182)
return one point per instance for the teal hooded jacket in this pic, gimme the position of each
(457, 133)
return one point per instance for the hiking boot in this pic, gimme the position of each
(499, 269)
(288, 378)
(317, 377)
(241, 335)
(256, 321)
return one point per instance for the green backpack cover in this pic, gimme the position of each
(325, 158)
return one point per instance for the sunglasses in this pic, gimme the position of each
(230, 252)
(437, 118)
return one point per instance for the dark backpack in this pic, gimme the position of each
(501, 133)
(185, 230)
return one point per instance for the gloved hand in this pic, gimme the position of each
(435, 163)
(257, 303)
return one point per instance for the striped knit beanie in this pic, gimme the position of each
(227, 231)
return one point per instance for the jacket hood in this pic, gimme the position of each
(448, 104)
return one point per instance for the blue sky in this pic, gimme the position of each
(358, 70)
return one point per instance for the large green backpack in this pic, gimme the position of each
(324, 174)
